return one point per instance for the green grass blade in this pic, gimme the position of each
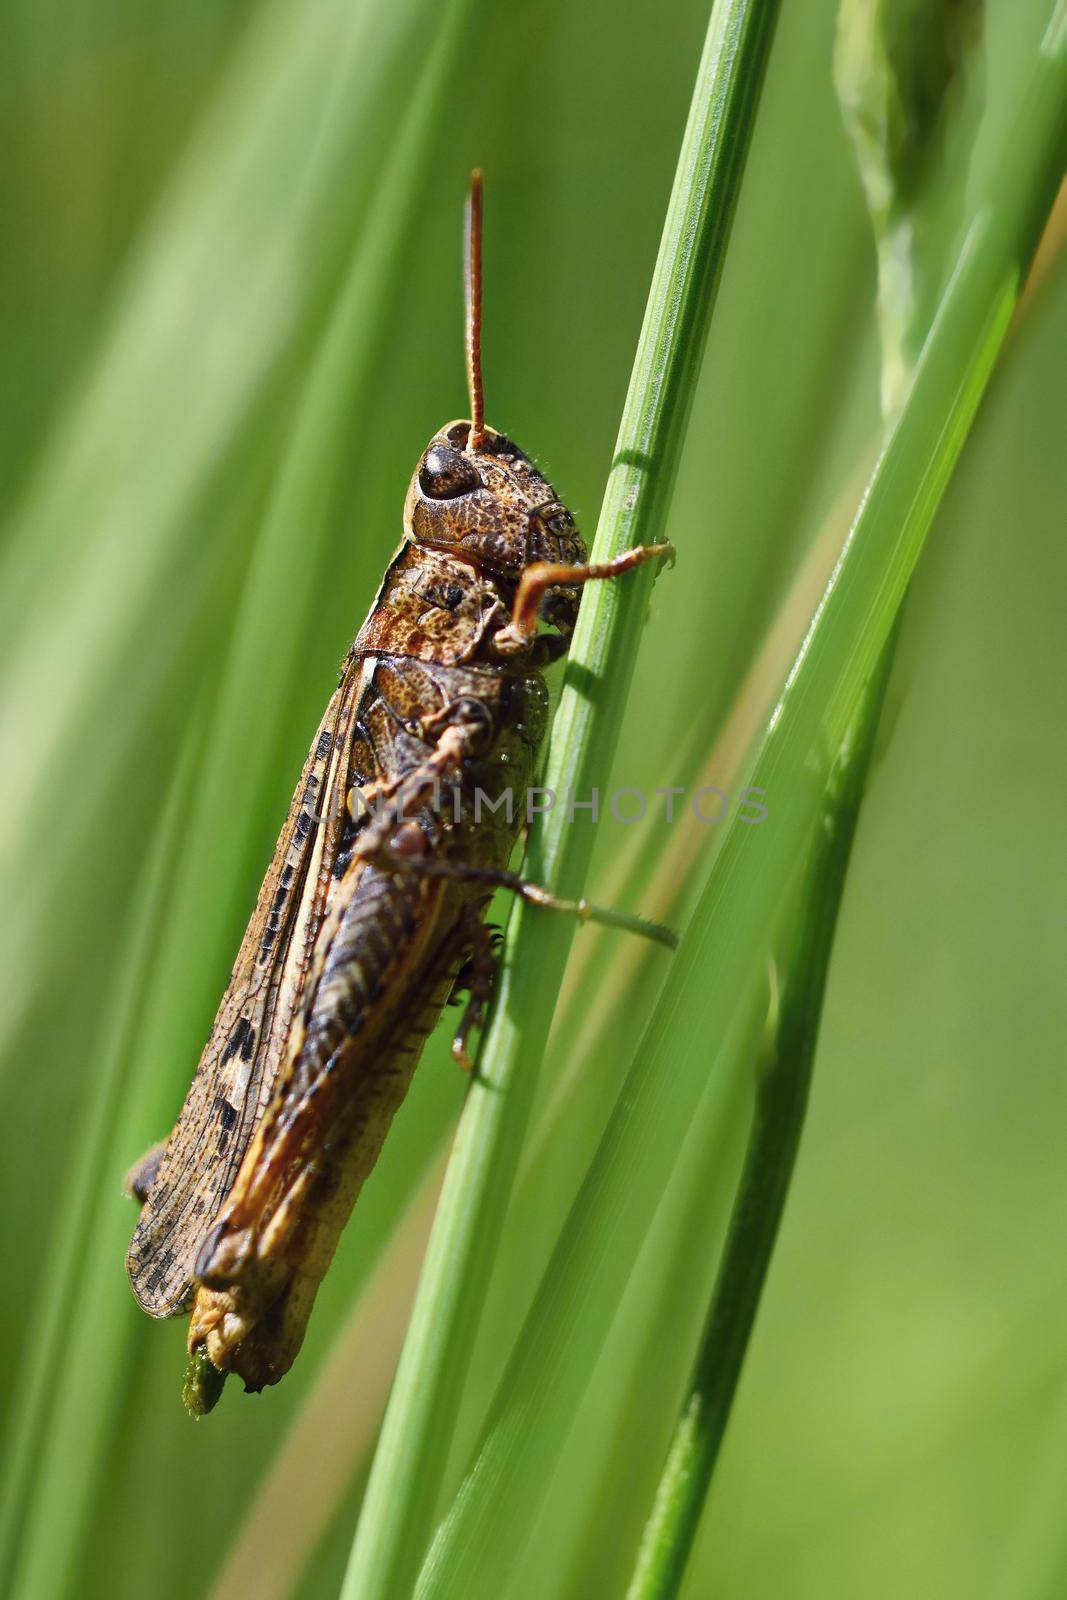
(778, 1120)
(895, 91)
(753, 869)
(408, 1467)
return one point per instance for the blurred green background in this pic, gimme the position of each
(230, 319)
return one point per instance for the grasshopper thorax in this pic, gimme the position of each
(488, 505)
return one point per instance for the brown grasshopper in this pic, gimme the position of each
(372, 911)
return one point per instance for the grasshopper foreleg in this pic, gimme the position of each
(386, 845)
(456, 744)
(541, 576)
(380, 843)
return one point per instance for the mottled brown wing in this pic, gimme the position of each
(384, 964)
(236, 1075)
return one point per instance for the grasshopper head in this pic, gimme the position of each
(487, 504)
(475, 494)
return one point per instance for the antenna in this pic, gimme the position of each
(473, 285)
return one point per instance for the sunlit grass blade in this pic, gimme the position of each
(754, 868)
(408, 1467)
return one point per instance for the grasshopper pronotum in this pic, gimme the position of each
(372, 911)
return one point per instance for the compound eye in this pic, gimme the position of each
(446, 473)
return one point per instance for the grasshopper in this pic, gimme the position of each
(371, 915)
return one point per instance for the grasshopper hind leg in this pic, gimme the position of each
(477, 975)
